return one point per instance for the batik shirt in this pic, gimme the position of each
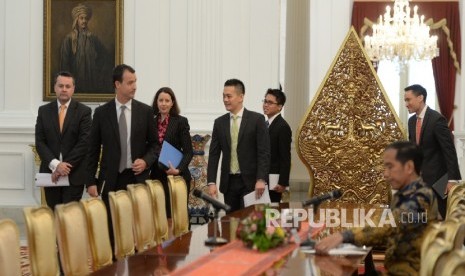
(413, 208)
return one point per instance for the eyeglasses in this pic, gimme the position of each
(268, 102)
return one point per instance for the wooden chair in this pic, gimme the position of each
(143, 216)
(159, 211)
(9, 248)
(41, 240)
(73, 241)
(123, 222)
(179, 213)
(97, 229)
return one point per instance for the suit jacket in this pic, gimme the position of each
(280, 149)
(253, 150)
(72, 142)
(178, 135)
(439, 155)
(105, 135)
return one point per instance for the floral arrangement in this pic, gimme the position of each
(255, 234)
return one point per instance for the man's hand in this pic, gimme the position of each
(63, 168)
(259, 188)
(212, 190)
(449, 187)
(55, 176)
(172, 170)
(92, 191)
(279, 188)
(328, 243)
(139, 166)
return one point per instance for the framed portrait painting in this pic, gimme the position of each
(86, 39)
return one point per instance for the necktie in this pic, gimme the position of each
(123, 137)
(234, 133)
(267, 123)
(418, 131)
(61, 116)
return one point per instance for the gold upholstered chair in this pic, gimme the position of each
(73, 242)
(159, 211)
(97, 228)
(41, 239)
(9, 248)
(143, 216)
(454, 264)
(436, 251)
(123, 222)
(179, 214)
(454, 202)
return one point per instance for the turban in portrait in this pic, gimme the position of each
(81, 9)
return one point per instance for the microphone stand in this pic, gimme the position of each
(309, 241)
(215, 240)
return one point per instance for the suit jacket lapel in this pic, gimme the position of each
(69, 115)
(245, 117)
(171, 125)
(54, 115)
(227, 122)
(424, 124)
(111, 111)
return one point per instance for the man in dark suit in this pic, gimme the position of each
(61, 138)
(429, 129)
(280, 140)
(242, 136)
(124, 129)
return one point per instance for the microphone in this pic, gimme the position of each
(316, 200)
(213, 201)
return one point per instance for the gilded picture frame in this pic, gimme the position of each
(86, 39)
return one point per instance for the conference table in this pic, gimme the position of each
(175, 254)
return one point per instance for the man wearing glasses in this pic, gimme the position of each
(280, 141)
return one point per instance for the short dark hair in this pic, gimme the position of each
(118, 72)
(174, 111)
(407, 151)
(64, 74)
(279, 95)
(239, 85)
(417, 90)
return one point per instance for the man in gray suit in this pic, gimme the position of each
(242, 137)
(428, 129)
(61, 137)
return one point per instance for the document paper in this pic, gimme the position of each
(45, 180)
(249, 199)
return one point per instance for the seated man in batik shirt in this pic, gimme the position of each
(413, 207)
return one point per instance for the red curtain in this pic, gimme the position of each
(444, 69)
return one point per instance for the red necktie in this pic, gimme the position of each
(418, 130)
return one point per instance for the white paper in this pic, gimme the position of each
(45, 180)
(344, 249)
(249, 199)
(273, 179)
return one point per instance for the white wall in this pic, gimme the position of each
(191, 46)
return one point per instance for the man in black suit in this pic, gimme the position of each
(429, 129)
(246, 157)
(61, 138)
(125, 130)
(280, 140)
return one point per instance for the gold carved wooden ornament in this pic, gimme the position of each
(346, 128)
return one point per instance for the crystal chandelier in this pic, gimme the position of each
(400, 38)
